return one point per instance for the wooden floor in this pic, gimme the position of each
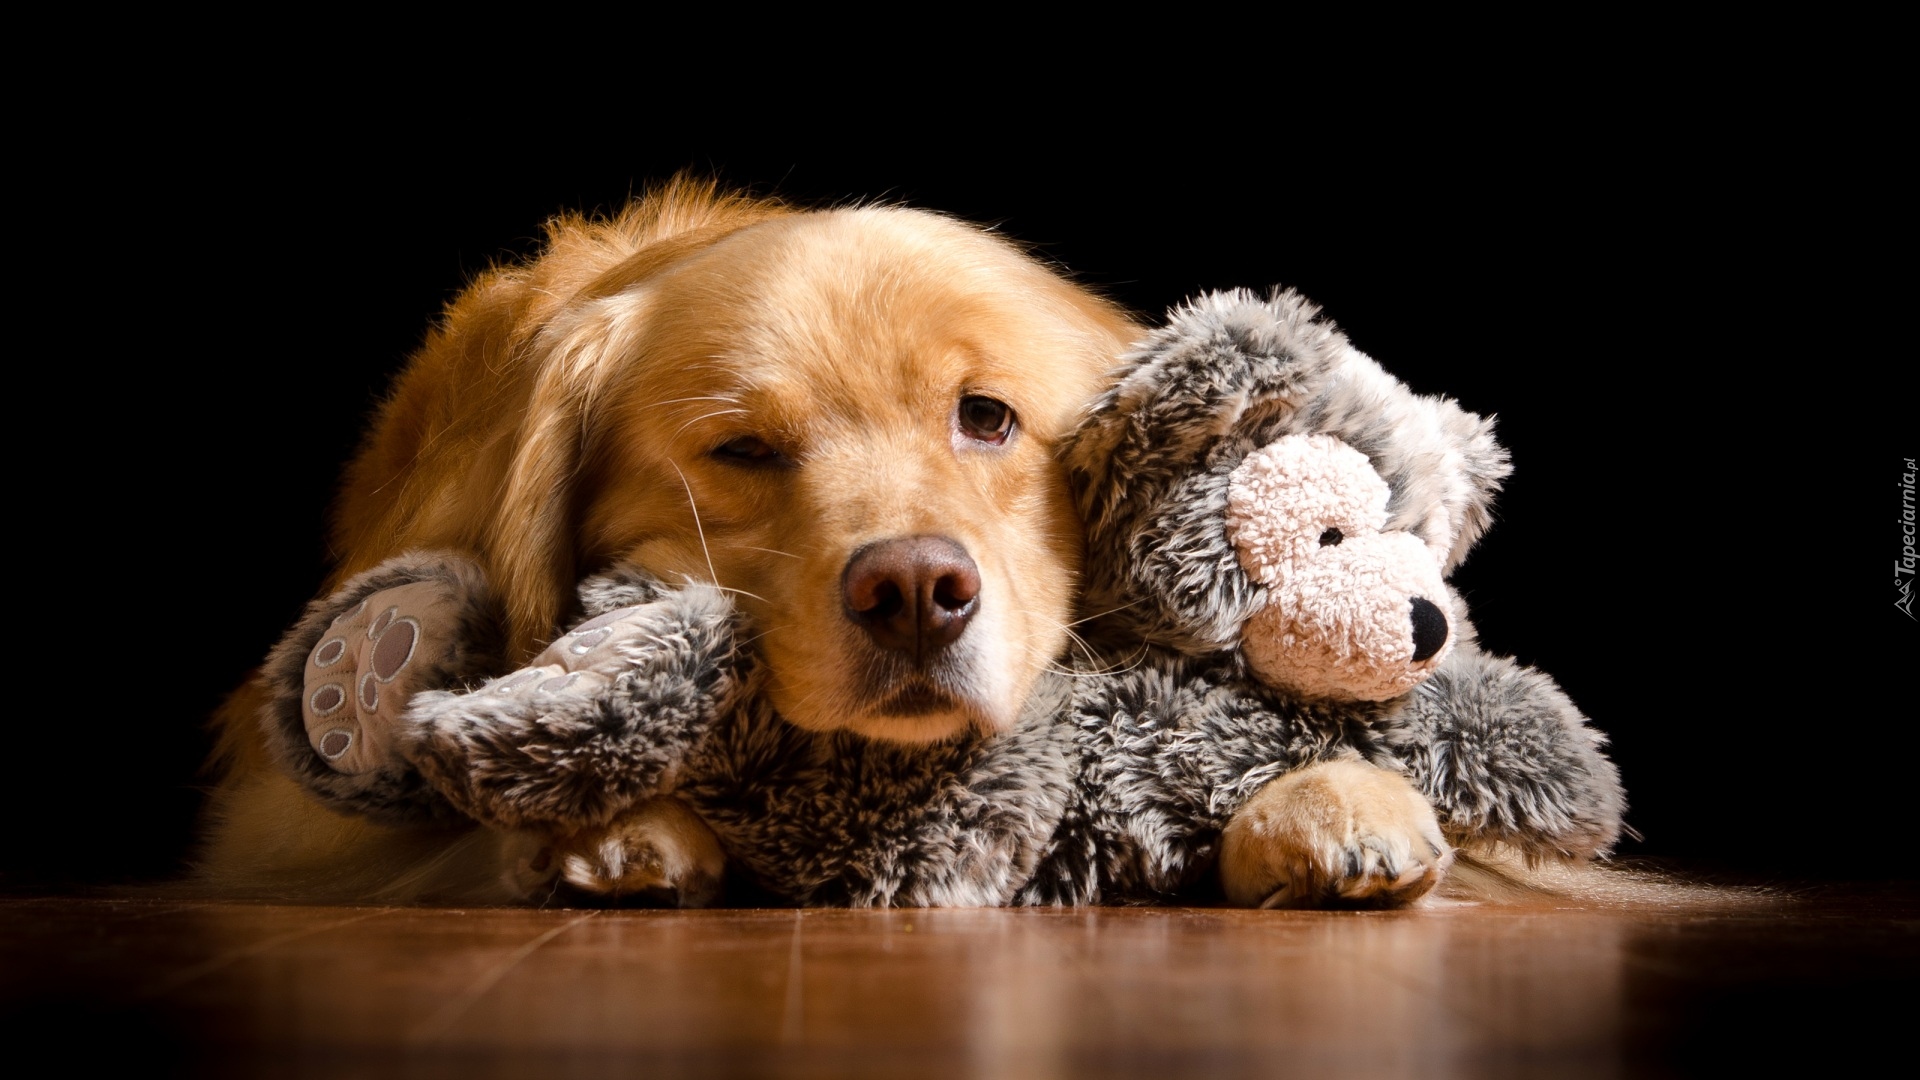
(1545, 988)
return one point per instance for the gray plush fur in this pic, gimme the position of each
(1150, 463)
(565, 760)
(841, 820)
(1508, 760)
(1119, 775)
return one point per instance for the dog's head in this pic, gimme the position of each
(849, 418)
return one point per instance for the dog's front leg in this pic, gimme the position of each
(657, 851)
(1340, 833)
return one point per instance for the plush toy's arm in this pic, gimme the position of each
(605, 717)
(1507, 760)
(371, 710)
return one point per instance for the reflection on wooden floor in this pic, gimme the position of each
(1550, 989)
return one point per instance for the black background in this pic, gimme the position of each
(1694, 541)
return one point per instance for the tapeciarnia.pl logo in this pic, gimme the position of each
(1903, 585)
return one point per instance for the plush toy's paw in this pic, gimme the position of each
(372, 658)
(1341, 833)
(342, 676)
(658, 852)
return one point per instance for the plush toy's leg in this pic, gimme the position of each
(342, 678)
(1339, 833)
(1508, 761)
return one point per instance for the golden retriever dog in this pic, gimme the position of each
(846, 417)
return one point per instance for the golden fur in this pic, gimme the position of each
(719, 388)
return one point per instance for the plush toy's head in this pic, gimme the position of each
(1353, 610)
(1222, 398)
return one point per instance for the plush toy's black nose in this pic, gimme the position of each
(1429, 628)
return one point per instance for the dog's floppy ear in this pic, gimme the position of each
(474, 452)
(532, 548)
(531, 551)
(478, 450)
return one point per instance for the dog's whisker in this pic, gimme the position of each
(1132, 663)
(770, 551)
(1102, 614)
(740, 592)
(757, 638)
(1072, 637)
(699, 528)
(1087, 651)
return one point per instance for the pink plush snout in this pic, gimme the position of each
(1353, 612)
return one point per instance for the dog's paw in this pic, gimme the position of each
(1338, 834)
(658, 852)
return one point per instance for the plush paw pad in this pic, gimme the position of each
(367, 664)
(658, 852)
(1338, 834)
(580, 664)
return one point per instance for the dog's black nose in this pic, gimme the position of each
(1429, 628)
(912, 594)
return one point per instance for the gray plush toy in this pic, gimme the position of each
(1269, 520)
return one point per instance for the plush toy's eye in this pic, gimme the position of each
(985, 420)
(1330, 537)
(747, 450)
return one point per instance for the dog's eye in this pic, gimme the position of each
(747, 450)
(1331, 537)
(985, 419)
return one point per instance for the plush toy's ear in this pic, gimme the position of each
(1228, 373)
(1441, 463)
(1227, 362)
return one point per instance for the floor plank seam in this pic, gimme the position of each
(181, 978)
(437, 1025)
